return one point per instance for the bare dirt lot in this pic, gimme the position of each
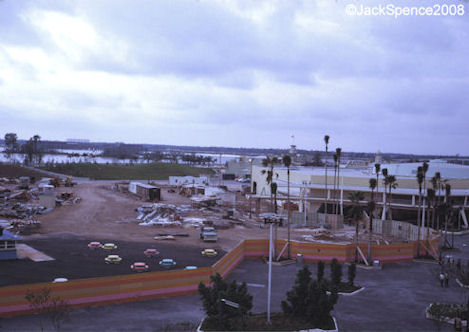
(108, 215)
(105, 213)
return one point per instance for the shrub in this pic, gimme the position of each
(308, 299)
(221, 316)
(42, 302)
(320, 274)
(352, 270)
(336, 272)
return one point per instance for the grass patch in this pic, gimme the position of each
(153, 171)
(14, 171)
(279, 322)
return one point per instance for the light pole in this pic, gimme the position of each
(270, 220)
(250, 194)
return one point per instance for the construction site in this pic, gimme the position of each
(53, 213)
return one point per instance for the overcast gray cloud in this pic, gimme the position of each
(235, 73)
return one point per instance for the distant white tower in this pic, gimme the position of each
(378, 158)
(292, 151)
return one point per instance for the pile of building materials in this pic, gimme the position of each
(159, 214)
(29, 200)
(21, 210)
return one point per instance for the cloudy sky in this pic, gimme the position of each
(235, 73)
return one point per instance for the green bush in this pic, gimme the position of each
(221, 316)
(352, 270)
(320, 274)
(308, 299)
(336, 272)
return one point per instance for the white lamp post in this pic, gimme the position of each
(270, 220)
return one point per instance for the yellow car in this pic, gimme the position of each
(109, 246)
(113, 259)
(209, 252)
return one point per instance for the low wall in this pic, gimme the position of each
(151, 285)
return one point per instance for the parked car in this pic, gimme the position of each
(208, 234)
(151, 252)
(94, 245)
(209, 252)
(60, 280)
(139, 267)
(109, 246)
(167, 263)
(190, 267)
(113, 259)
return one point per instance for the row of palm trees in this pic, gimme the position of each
(431, 199)
(336, 185)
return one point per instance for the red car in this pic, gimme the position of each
(151, 252)
(94, 245)
(139, 267)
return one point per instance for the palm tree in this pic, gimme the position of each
(338, 152)
(371, 208)
(36, 139)
(392, 183)
(335, 180)
(424, 172)
(287, 162)
(439, 187)
(448, 209)
(419, 181)
(326, 141)
(430, 203)
(435, 188)
(356, 212)
(270, 162)
(373, 184)
(385, 184)
(377, 169)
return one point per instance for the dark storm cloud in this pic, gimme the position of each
(264, 69)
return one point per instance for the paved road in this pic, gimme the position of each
(394, 299)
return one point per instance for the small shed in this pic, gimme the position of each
(8, 244)
(148, 192)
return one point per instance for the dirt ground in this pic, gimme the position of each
(107, 215)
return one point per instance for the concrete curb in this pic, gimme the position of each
(336, 329)
(461, 284)
(347, 294)
(353, 293)
(425, 261)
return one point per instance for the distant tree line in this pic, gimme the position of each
(31, 149)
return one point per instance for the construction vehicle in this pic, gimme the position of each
(69, 182)
(55, 182)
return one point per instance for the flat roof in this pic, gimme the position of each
(7, 235)
(400, 170)
(147, 186)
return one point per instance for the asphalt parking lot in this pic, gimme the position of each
(394, 299)
(74, 260)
